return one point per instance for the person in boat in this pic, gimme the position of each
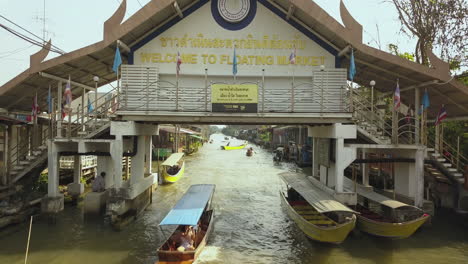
(186, 239)
(99, 184)
(173, 169)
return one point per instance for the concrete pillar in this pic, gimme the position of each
(138, 161)
(53, 170)
(315, 166)
(419, 173)
(117, 156)
(148, 154)
(365, 169)
(339, 169)
(105, 164)
(76, 188)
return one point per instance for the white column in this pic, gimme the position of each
(339, 147)
(138, 161)
(117, 155)
(419, 173)
(365, 169)
(76, 169)
(148, 154)
(53, 170)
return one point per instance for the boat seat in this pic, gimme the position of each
(314, 217)
(308, 213)
(303, 207)
(322, 222)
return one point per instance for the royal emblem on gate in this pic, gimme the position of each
(233, 14)
(233, 11)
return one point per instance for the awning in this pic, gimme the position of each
(189, 208)
(371, 195)
(195, 136)
(320, 200)
(173, 159)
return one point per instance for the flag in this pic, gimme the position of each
(64, 113)
(90, 106)
(409, 114)
(117, 60)
(68, 93)
(292, 57)
(396, 97)
(49, 102)
(441, 116)
(35, 108)
(352, 66)
(234, 63)
(178, 63)
(425, 101)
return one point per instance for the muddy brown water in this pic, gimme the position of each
(250, 225)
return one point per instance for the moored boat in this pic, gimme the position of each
(315, 212)
(385, 217)
(192, 210)
(173, 168)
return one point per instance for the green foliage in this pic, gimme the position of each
(405, 55)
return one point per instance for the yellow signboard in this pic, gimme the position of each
(234, 97)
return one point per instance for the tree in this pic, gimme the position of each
(438, 24)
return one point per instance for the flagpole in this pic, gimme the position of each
(177, 92)
(292, 89)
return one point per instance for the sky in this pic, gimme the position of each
(74, 24)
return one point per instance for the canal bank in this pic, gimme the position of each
(250, 226)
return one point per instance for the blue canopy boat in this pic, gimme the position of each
(192, 210)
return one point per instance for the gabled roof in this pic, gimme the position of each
(307, 16)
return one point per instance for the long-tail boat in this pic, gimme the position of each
(173, 168)
(385, 217)
(315, 212)
(193, 209)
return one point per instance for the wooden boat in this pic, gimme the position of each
(386, 218)
(176, 159)
(315, 212)
(193, 209)
(234, 147)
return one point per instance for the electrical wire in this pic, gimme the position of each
(60, 51)
(31, 40)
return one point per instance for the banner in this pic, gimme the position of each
(239, 98)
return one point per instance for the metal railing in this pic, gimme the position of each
(143, 90)
(453, 155)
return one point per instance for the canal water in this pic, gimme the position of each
(250, 225)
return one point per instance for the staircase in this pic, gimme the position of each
(25, 158)
(370, 124)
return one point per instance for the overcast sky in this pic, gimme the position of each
(75, 24)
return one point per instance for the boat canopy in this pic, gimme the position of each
(189, 208)
(373, 196)
(320, 200)
(173, 159)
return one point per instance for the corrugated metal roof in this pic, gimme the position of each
(173, 159)
(190, 207)
(371, 195)
(320, 200)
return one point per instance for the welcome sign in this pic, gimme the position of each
(204, 44)
(239, 98)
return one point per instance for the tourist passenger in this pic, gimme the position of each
(186, 240)
(99, 184)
